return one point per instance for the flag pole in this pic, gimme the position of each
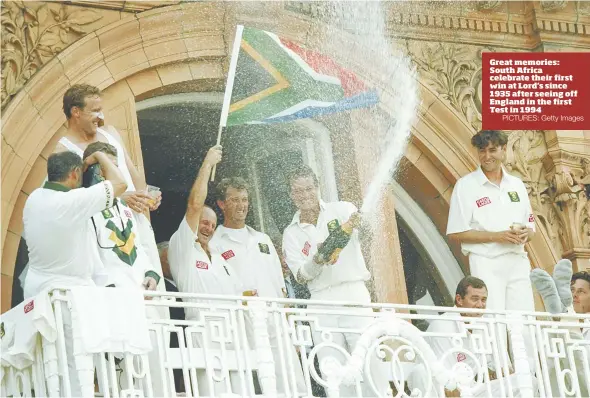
(229, 86)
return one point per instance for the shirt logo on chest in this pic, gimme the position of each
(531, 218)
(228, 254)
(30, 306)
(483, 201)
(1, 330)
(263, 247)
(461, 357)
(202, 265)
(127, 213)
(513, 195)
(306, 248)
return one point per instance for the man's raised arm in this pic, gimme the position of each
(196, 199)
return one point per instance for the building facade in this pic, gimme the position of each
(162, 57)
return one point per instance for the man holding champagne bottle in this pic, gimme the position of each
(321, 247)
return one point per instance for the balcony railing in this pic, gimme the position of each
(248, 346)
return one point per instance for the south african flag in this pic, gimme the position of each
(278, 81)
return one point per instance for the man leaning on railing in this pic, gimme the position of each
(471, 293)
(56, 218)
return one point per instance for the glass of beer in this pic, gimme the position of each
(152, 191)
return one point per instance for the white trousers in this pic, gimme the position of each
(358, 319)
(509, 288)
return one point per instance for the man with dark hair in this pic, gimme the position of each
(491, 216)
(580, 287)
(462, 292)
(126, 262)
(61, 242)
(444, 333)
(254, 258)
(57, 222)
(341, 277)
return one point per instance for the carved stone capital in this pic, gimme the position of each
(566, 174)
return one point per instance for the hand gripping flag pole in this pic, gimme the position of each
(229, 85)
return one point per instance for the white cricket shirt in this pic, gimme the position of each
(254, 259)
(471, 339)
(300, 242)
(60, 237)
(126, 264)
(477, 204)
(194, 272)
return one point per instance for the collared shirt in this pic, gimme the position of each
(445, 347)
(478, 204)
(255, 260)
(300, 242)
(60, 237)
(194, 272)
(126, 263)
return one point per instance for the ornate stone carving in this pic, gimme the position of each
(566, 175)
(32, 34)
(488, 5)
(455, 73)
(552, 6)
(525, 152)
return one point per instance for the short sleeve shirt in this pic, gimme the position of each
(254, 259)
(300, 244)
(194, 272)
(477, 204)
(60, 237)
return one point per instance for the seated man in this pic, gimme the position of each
(467, 357)
(126, 264)
(60, 238)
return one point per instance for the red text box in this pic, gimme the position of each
(535, 91)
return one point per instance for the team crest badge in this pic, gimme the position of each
(513, 196)
(106, 213)
(2, 330)
(461, 357)
(263, 248)
(333, 225)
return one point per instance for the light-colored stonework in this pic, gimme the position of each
(137, 49)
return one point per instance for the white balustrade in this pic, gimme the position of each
(227, 352)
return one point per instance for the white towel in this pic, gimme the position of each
(107, 319)
(20, 328)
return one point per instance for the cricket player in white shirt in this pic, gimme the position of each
(252, 255)
(126, 264)
(341, 278)
(491, 216)
(471, 293)
(196, 267)
(60, 238)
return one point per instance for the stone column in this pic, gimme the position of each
(567, 164)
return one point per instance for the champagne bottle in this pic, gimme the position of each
(330, 249)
